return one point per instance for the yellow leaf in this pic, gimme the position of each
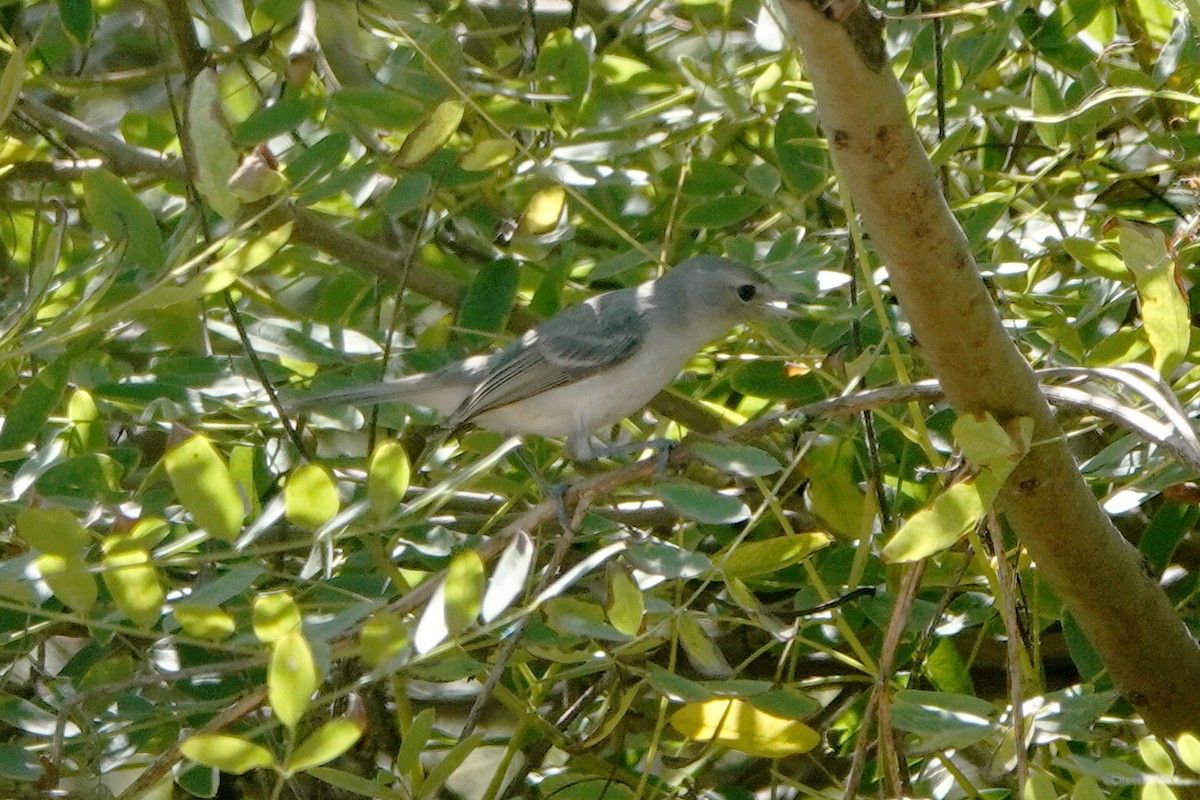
(291, 678)
(205, 487)
(487, 154)
(204, 622)
(310, 497)
(543, 212)
(275, 615)
(230, 754)
(430, 135)
(387, 477)
(740, 726)
(134, 584)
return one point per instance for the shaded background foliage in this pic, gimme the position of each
(446, 174)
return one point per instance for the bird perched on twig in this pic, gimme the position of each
(590, 365)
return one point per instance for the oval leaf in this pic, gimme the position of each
(430, 135)
(769, 555)
(310, 497)
(204, 622)
(702, 504)
(230, 754)
(291, 678)
(387, 477)
(738, 459)
(463, 595)
(543, 212)
(739, 725)
(939, 525)
(135, 586)
(205, 487)
(324, 744)
(626, 604)
(275, 615)
(508, 577)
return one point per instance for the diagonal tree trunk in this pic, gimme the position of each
(884, 168)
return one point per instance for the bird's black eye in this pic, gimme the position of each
(747, 291)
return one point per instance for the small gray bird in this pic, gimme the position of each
(590, 365)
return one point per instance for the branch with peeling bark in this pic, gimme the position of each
(885, 171)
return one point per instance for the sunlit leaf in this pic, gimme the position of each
(204, 622)
(769, 555)
(834, 493)
(205, 487)
(740, 726)
(323, 745)
(508, 576)
(291, 677)
(738, 459)
(701, 649)
(938, 526)
(1164, 304)
(487, 154)
(383, 636)
(275, 616)
(135, 585)
(543, 212)
(387, 477)
(310, 497)
(430, 135)
(115, 209)
(626, 606)
(231, 754)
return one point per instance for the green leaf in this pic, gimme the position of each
(543, 212)
(52, 531)
(205, 487)
(227, 753)
(310, 497)
(275, 616)
(1040, 786)
(487, 154)
(28, 414)
(701, 649)
(409, 194)
(939, 525)
(291, 677)
(450, 762)
(702, 504)
(1157, 790)
(116, 210)
(564, 67)
(413, 740)
(1164, 304)
(1047, 102)
(1096, 259)
(490, 298)
(215, 158)
(11, 82)
(388, 477)
(750, 559)
(278, 118)
(834, 493)
(383, 636)
(356, 784)
(19, 764)
(78, 20)
(721, 212)
(323, 745)
(1086, 788)
(68, 577)
(463, 590)
(626, 606)
(738, 459)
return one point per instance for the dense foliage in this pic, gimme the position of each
(209, 209)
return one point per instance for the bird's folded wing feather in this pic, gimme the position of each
(574, 345)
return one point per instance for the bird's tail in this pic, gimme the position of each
(416, 390)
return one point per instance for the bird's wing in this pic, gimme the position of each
(578, 343)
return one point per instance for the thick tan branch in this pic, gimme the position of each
(884, 169)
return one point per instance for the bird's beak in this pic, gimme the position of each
(776, 305)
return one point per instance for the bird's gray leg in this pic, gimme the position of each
(661, 447)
